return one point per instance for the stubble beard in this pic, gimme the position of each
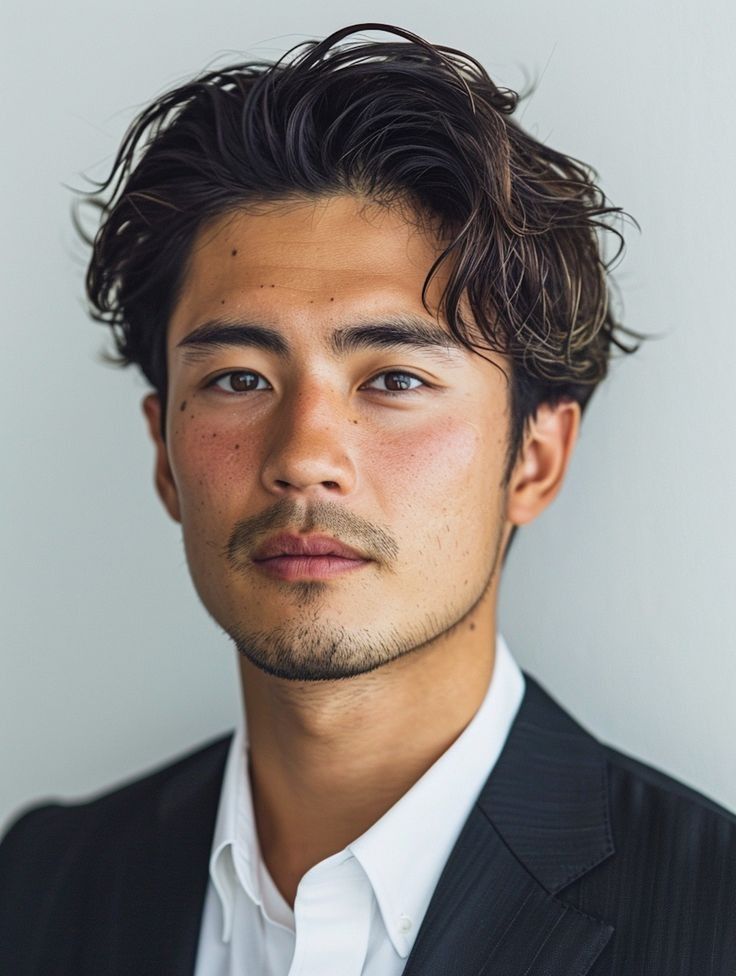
(309, 650)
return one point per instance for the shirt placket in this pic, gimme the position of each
(332, 912)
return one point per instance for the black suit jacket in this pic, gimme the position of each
(575, 860)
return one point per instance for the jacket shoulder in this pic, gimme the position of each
(48, 841)
(653, 858)
(670, 834)
(669, 887)
(630, 780)
(633, 776)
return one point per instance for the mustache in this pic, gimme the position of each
(287, 514)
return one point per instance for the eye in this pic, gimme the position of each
(397, 382)
(238, 381)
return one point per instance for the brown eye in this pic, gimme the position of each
(240, 381)
(396, 381)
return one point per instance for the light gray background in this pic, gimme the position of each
(620, 598)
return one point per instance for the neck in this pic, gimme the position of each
(329, 758)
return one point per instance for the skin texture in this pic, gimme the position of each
(353, 686)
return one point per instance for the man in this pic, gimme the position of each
(372, 310)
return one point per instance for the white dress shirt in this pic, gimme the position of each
(357, 912)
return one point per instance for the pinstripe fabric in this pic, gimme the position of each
(676, 857)
(575, 861)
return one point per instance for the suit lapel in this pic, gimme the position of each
(540, 821)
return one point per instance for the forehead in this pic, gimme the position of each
(295, 260)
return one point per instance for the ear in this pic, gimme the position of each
(164, 478)
(543, 460)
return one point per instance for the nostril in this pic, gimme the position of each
(287, 484)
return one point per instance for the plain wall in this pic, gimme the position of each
(619, 598)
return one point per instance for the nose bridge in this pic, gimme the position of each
(312, 407)
(310, 439)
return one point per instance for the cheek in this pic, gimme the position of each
(210, 467)
(439, 462)
(441, 490)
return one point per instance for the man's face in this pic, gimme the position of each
(309, 422)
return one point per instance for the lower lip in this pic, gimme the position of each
(309, 567)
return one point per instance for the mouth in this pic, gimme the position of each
(287, 544)
(294, 557)
(302, 567)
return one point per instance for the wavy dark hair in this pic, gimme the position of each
(402, 120)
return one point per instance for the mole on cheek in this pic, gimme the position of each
(183, 405)
(234, 251)
(237, 447)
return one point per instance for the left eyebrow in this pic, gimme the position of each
(388, 333)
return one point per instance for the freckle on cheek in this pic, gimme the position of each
(183, 405)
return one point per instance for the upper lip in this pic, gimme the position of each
(305, 545)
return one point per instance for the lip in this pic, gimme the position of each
(295, 557)
(308, 567)
(310, 546)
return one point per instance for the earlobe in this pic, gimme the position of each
(543, 461)
(163, 477)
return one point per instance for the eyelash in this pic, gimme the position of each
(385, 372)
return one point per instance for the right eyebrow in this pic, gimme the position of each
(218, 334)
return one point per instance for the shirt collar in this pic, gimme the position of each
(405, 851)
(234, 830)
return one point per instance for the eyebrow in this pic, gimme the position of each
(390, 332)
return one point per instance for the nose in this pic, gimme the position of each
(308, 448)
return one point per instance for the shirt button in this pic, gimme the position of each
(404, 923)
